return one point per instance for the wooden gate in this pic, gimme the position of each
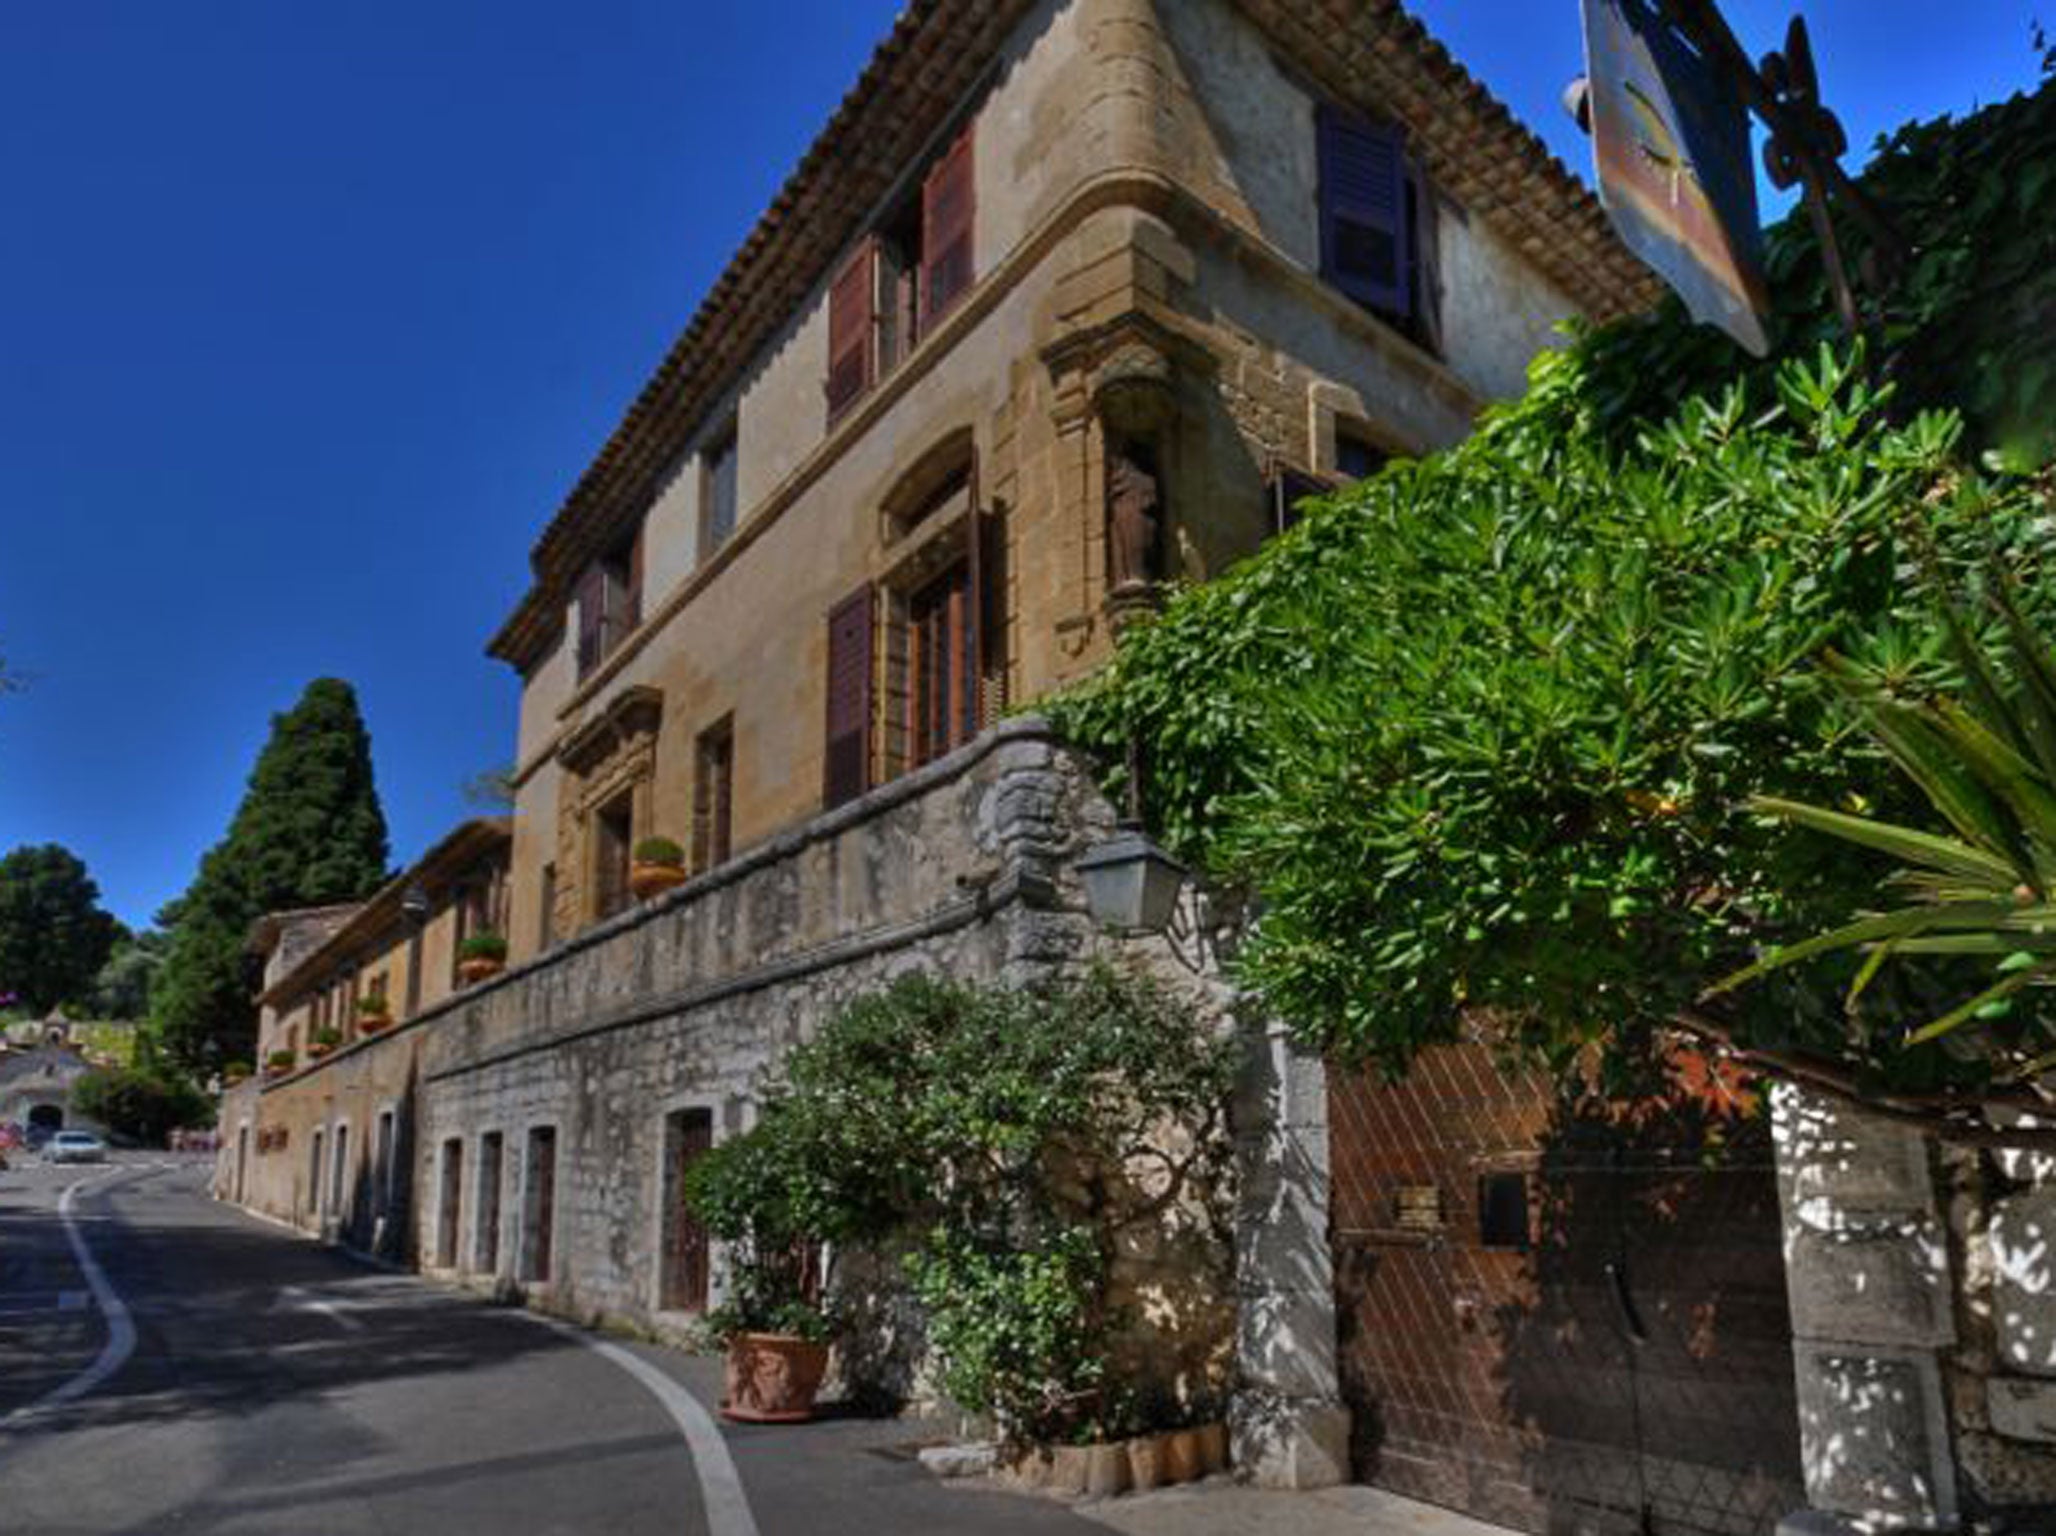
(1562, 1316)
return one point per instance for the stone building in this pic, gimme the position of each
(1070, 298)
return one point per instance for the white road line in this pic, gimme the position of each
(728, 1508)
(121, 1328)
(299, 1301)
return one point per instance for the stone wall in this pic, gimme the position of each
(1924, 1319)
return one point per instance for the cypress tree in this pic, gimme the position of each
(308, 833)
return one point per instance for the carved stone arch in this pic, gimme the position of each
(946, 469)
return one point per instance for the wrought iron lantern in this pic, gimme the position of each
(1131, 884)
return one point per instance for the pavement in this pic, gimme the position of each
(171, 1365)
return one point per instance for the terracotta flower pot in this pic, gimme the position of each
(1213, 1447)
(477, 968)
(1146, 1462)
(650, 880)
(1182, 1458)
(372, 1023)
(1106, 1469)
(1069, 1466)
(317, 1051)
(772, 1378)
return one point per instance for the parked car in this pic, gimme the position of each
(74, 1147)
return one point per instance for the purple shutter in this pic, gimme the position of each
(1366, 243)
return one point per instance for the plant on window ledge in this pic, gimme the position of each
(280, 1062)
(374, 1013)
(322, 1042)
(235, 1072)
(481, 955)
(658, 866)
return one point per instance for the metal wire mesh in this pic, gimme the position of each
(1623, 1364)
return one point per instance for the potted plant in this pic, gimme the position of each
(481, 955)
(374, 1013)
(757, 1194)
(658, 866)
(322, 1042)
(280, 1062)
(235, 1073)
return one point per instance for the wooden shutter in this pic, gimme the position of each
(847, 769)
(592, 618)
(632, 601)
(948, 209)
(1366, 241)
(852, 329)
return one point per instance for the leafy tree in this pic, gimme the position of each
(491, 789)
(122, 989)
(54, 937)
(143, 1102)
(1482, 731)
(309, 832)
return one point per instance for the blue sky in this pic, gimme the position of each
(310, 315)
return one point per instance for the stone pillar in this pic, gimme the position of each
(1867, 1268)
(1290, 1427)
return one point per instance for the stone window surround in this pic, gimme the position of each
(726, 1113)
(469, 1243)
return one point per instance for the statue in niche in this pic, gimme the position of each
(1134, 519)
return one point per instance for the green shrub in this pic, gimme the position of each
(484, 945)
(142, 1104)
(660, 850)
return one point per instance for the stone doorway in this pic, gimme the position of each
(1556, 1317)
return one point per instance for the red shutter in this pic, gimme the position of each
(1366, 242)
(948, 209)
(852, 329)
(847, 771)
(592, 618)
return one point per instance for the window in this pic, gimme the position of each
(474, 912)
(539, 1205)
(485, 1246)
(903, 278)
(546, 920)
(450, 1208)
(609, 601)
(713, 795)
(1379, 240)
(1288, 488)
(717, 491)
(1357, 458)
(1503, 1210)
(613, 840)
(683, 1271)
(942, 666)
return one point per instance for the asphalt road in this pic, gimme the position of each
(273, 1387)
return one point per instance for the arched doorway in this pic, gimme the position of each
(45, 1120)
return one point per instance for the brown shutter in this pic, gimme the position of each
(974, 627)
(948, 209)
(852, 329)
(592, 618)
(847, 770)
(632, 607)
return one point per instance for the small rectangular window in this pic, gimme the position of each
(717, 491)
(613, 840)
(546, 919)
(485, 1246)
(1503, 1210)
(713, 795)
(539, 1205)
(1357, 458)
(682, 1286)
(609, 600)
(450, 1209)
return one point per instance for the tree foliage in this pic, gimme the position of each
(122, 988)
(1013, 1140)
(143, 1102)
(308, 832)
(1481, 731)
(54, 937)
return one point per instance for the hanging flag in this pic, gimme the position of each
(1670, 136)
